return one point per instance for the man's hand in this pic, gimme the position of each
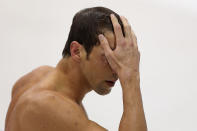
(124, 60)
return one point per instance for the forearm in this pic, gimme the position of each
(133, 118)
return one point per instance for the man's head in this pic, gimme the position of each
(83, 46)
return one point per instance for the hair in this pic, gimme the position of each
(87, 24)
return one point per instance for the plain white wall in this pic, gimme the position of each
(33, 33)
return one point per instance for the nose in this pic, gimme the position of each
(114, 75)
(113, 72)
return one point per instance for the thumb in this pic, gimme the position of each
(104, 44)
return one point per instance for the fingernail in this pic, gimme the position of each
(101, 37)
(112, 15)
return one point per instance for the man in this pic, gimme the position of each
(101, 48)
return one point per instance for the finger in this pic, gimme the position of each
(127, 27)
(134, 38)
(135, 43)
(117, 28)
(129, 31)
(104, 43)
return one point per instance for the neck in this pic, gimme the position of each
(70, 80)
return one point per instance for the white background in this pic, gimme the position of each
(34, 32)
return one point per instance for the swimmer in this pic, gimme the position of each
(101, 48)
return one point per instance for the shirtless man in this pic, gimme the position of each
(50, 98)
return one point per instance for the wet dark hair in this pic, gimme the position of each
(87, 24)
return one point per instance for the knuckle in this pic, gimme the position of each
(128, 39)
(125, 18)
(122, 42)
(130, 42)
(117, 27)
(128, 26)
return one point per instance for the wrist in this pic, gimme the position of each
(129, 77)
(128, 74)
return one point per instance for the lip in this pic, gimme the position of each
(112, 80)
(110, 83)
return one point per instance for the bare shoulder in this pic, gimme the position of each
(49, 111)
(31, 78)
(37, 72)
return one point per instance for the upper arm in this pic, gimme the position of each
(54, 114)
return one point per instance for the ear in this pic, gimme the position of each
(75, 49)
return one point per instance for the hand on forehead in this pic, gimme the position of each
(111, 39)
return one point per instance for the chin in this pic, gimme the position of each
(102, 91)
